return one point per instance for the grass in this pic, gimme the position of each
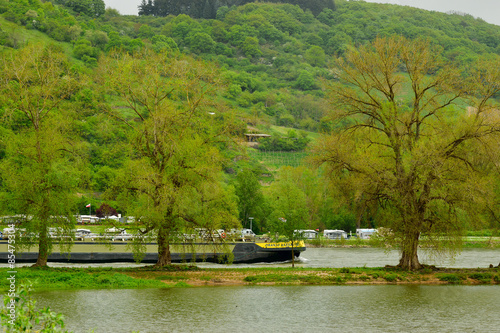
(79, 278)
(182, 276)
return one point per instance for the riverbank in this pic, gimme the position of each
(192, 276)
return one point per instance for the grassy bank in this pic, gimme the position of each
(187, 276)
(77, 278)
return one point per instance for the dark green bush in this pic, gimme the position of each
(451, 277)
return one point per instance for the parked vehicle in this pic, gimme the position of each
(82, 234)
(241, 235)
(365, 233)
(335, 234)
(307, 234)
(123, 236)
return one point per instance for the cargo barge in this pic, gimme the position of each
(110, 252)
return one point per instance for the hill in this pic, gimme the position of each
(272, 57)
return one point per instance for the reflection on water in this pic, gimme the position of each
(388, 308)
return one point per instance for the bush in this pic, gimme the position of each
(27, 318)
(451, 278)
(391, 277)
(481, 276)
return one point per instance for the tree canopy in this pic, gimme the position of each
(172, 179)
(417, 137)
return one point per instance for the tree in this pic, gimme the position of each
(106, 211)
(171, 184)
(403, 142)
(248, 190)
(305, 81)
(38, 172)
(289, 212)
(315, 56)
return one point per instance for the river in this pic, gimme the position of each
(316, 309)
(383, 308)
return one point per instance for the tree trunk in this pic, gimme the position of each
(293, 257)
(409, 257)
(164, 257)
(43, 249)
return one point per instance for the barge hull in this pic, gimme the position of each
(91, 252)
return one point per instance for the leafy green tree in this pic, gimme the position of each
(250, 197)
(83, 47)
(426, 162)
(305, 81)
(172, 183)
(315, 56)
(38, 171)
(145, 31)
(250, 47)
(201, 42)
(289, 212)
(164, 44)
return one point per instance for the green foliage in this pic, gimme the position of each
(83, 47)
(40, 170)
(27, 318)
(481, 276)
(293, 142)
(91, 8)
(363, 147)
(391, 277)
(269, 54)
(456, 278)
(172, 179)
(216, 9)
(201, 42)
(305, 81)
(250, 199)
(289, 211)
(60, 278)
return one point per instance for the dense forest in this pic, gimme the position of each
(224, 69)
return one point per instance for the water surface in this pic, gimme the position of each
(387, 308)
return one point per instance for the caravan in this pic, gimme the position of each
(307, 234)
(335, 234)
(365, 233)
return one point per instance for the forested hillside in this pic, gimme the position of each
(264, 65)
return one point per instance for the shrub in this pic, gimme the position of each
(27, 318)
(451, 278)
(391, 277)
(483, 277)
